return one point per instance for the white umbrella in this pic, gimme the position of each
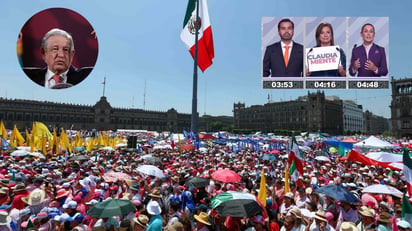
(107, 148)
(380, 188)
(20, 152)
(144, 157)
(121, 145)
(27, 148)
(203, 150)
(150, 170)
(322, 158)
(36, 154)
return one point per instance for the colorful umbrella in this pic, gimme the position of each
(197, 182)
(338, 193)
(226, 175)
(187, 147)
(115, 176)
(206, 137)
(111, 208)
(236, 204)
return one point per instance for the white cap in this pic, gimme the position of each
(70, 205)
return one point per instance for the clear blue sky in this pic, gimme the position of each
(139, 42)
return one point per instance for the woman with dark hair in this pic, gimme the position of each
(368, 59)
(324, 38)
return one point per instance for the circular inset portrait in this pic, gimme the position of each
(57, 48)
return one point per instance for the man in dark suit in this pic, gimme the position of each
(369, 59)
(284, 58)
(74, 76)
(57, 50)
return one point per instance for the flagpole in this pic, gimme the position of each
(194, 97)
(104, 85)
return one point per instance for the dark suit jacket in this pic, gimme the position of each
(376, 55)
(74, 75)
(274, 65)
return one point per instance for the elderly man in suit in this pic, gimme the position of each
(284, 58)
(57, 50)
(369, 59)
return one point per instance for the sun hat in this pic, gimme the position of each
(296, 212)
(367, 212)
(35, 197)
(156, 193)
(202, 218)
(153, 208)
(348, 226)
(289, 195)
(4, 218)
(19, 188)
(62, 193)
(320, 215)
(175, 226)
(141, 220)
(385, 217)
(403, 224)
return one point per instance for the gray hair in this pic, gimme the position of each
(58, 32)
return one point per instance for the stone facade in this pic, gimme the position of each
(401, 107)
(312, 113)
(101, 116)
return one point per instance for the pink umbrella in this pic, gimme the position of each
(368, 199)
(115, 176)
(226, 175)
(274, 152)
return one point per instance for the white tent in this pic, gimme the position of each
(373, 142)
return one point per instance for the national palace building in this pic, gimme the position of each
(101, 116)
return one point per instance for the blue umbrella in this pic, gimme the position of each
(269, 157)
(338, 193)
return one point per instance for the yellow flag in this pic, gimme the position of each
(262, 189)
(287, 178)
(64, 141)
(43, 145)
(101, 140)
(16, 137)
(3, 131)
(90, 144)
(34, 139)
(42, 130)
(28, 140)
(55, 142)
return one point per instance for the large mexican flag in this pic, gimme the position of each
(205, 39)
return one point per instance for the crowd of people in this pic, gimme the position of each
(60, 191)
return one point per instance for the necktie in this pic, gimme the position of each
(286, 56)
(56, 79)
